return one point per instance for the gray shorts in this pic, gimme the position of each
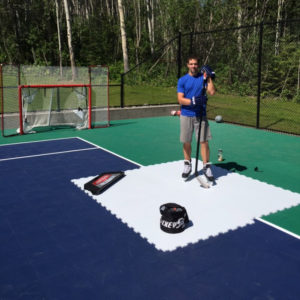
(188, 125)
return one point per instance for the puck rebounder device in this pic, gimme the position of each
(103, 181)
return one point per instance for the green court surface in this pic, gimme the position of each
(269, 157)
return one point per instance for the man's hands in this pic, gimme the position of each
(208, 71)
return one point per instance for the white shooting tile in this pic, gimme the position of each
(233, 202)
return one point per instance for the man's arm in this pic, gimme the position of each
(210, 87)
(209, 74)
(182, 100)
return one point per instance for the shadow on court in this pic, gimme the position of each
(231, 166)
(221, 169)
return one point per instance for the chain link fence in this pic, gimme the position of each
(257, 74)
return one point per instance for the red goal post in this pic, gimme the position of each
(37, 97)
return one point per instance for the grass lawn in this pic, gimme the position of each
(142, 95)
(274, 114)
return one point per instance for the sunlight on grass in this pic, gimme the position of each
(275, 114)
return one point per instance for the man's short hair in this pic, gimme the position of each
(192, 56)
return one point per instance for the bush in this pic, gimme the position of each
(296, 98)
(115, 71)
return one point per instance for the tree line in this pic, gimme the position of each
(122, 33)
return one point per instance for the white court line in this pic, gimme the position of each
(29, 142)
(47, 154)
(279, 228)
(53, 153)
(115, 154)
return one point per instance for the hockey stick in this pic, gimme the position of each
(198, 145)
(202, 182)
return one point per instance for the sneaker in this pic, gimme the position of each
(187, 169)
(207, 172)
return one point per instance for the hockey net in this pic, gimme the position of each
(36, 99)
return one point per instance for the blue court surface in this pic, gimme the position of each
(56, 242)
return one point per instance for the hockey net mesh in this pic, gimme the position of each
(54, 107)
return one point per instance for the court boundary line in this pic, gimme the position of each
(67, 138)
(279, 228)
(73, 137)
(113, 153)
(47, 154)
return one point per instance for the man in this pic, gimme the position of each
(191, 95)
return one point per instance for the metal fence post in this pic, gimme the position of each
(122, 91)
(261, 28)
(179, 55)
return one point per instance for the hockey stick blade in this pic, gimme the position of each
(203, 182)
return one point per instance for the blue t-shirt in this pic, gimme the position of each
(192, 86)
